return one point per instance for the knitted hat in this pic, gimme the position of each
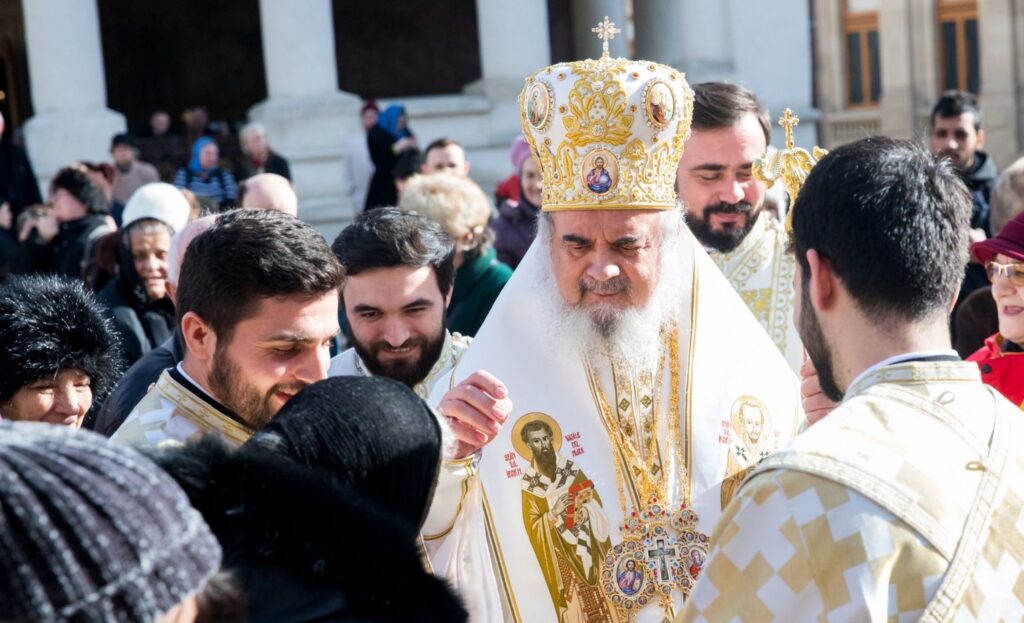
(159, 201)
(519, 152)
(1009, 242)
(90, 531)
(76, 181)
(49, 324)
(373, 433)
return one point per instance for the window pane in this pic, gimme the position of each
(876, 66)
(853, 70)
(949, 56)
(862, 6)
(973, 70)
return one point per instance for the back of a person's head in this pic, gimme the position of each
(389, 237)
(892, 221)
(1007, 199)
(954, 103)
(268, 191)
(50, 323)
(718, 105)
(247, 256)
(373, 433)
(93, 531)
(456, 203)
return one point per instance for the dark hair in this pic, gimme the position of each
(892, 220)
(389, 237)
(441, 143)
(534, 425)
(722, 105)
(954, 103)
(248, 255)
(407, 164)
(77, 182)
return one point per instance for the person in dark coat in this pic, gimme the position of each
(258, 157)
(137, 296)
(318, 514)
(18, 186)
(462, 209)
(62, 242)
(516, 225)
(387, 140)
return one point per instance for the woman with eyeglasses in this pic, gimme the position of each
(1002, 358)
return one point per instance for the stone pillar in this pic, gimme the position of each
(589, 13)
(308, 119)
(896, 57)
(514, 43)
(694, 36)
(68, 85)
(1000, 51)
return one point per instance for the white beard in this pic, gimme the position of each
(631, 334)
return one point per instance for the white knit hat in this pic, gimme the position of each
(159, 201)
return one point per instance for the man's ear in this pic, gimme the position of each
(448, 297)
(172, 292)
(822, 284)
(200, 340)
(981, 138)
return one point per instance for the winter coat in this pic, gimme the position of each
(303, 546)
(1002, 366)
(68, 252)
(514, 230)
(478, 282)
(275, 164)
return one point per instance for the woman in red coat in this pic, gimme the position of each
(1002, 359)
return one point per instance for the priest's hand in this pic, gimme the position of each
(816, 404)
(476, 409)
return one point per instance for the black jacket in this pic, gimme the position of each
(980, 180)
(304, 547)
(18, 184)
(275, 164)
(67, 253)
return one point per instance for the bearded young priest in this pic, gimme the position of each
(643, 388)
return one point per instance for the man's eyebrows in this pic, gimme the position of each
(576, 239)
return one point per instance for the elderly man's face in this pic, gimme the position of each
(63, 399)
(255, 145)
(606, 260)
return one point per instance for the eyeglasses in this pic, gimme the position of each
(1013, 272)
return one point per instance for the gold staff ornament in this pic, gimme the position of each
(791, 165)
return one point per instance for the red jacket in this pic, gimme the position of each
(1002, 370)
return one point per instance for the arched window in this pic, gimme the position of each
(863, 65)
(957, 28)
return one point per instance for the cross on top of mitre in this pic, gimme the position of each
(788, 121)
(606, 31)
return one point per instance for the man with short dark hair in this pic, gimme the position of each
(130, 173)
(906, 501)
(257, 311)
(725, 206)
(445, 155)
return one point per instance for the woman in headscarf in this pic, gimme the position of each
(516, 225)
(386, 140)
(1001, 359)
(319, 513)
(137, 297)
(204, 176)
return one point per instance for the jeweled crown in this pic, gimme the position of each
(607, 133)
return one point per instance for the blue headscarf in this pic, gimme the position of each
(388, 120)
(197, 147)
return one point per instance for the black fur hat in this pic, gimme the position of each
(76, 181)
(48, 324)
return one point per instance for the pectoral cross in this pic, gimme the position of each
(606, 31)
(659, 554)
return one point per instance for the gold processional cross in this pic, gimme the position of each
(791, 165)
(606, 31)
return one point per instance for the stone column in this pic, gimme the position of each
(896, 57)
(694, 36)
(1000, 52)
(308, 119)
(68, 85)
(588, 13)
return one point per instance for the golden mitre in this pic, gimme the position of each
(608, 133)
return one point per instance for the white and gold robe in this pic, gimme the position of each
(722, 360)
(175, 409)
(906, 503)
(761, 270)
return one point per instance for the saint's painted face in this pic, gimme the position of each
(63, 399)
(539, 441)
(753, 422)
(273, 354)
(605, 261)
(396, 316)
(716, 184)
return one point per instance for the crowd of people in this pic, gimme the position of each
(619, 388)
